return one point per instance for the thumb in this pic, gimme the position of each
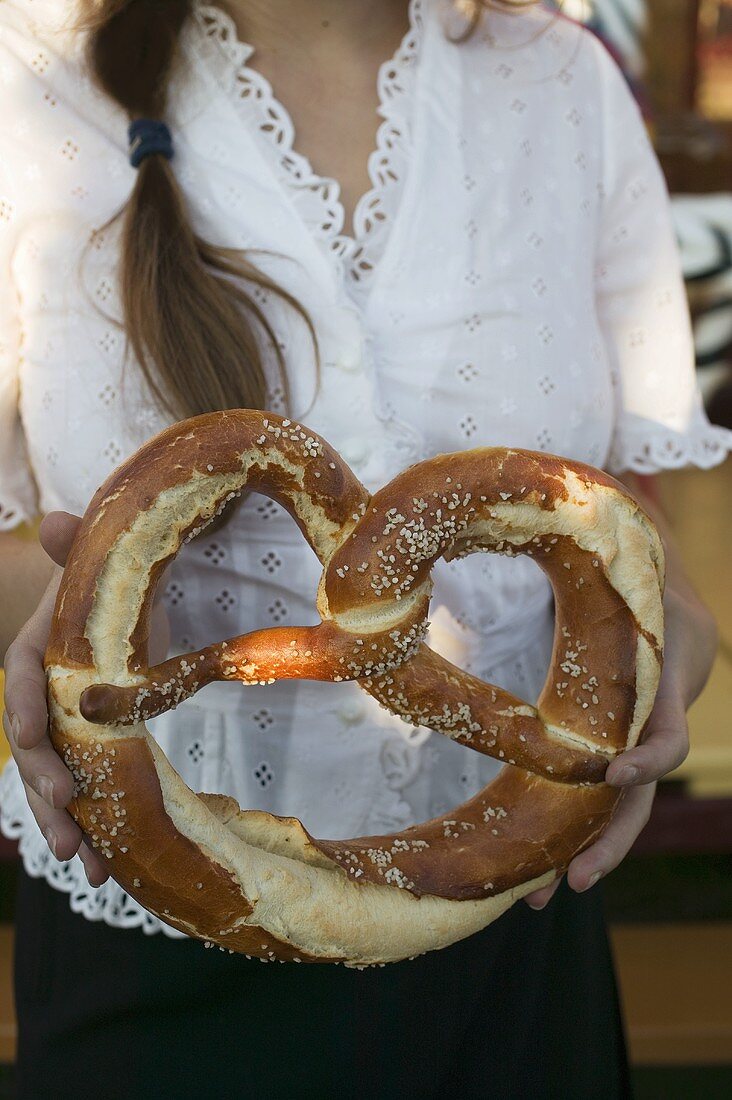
(56, 534)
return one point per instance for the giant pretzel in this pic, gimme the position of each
(260, 884)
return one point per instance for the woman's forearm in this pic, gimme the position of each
(25, 570)
(681, 597)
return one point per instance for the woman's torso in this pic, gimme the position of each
(461, 314)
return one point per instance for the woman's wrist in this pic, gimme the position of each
(691, 644)
(690, 628)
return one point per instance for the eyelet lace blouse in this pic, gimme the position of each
(513, 280)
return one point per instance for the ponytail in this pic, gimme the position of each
(195, 333)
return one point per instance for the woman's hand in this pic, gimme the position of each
(689, 649)
(49, 785)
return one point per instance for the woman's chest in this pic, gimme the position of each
(480, 331)
(474, 323)
(483, 313)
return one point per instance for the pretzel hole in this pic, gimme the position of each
(229, 608)
(478, 637)
(463, 636)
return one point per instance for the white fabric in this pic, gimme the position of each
(514, 280)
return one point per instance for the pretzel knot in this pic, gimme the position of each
(260, 884)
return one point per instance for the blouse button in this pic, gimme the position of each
(350, 358)
(351, 713)
(355, 451)
(349, 340)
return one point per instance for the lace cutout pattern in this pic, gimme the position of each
(648, 452)
(317, 197)
(109, 902)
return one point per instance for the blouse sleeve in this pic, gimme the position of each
(18, 494)
(18, 491)
(641, 300)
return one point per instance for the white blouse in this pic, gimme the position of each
(513, 280)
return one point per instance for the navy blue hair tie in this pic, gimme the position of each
(146, 136)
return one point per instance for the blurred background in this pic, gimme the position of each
(670, 903)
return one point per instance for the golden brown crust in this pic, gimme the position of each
(119, 805)
(323, 652)
(208, 445)
(510, 832)
(263, 885)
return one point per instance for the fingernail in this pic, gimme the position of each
(593, 879)
(51, 839)
(84, 853)
(626, 775)
(15, 727)
(537, 908)
(44, 787)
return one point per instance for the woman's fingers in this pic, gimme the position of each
(56, 534)
(613, 846)
(611, 849)
(666, 745)
(42, 769)
(65, 838)
(95, 867)
(605, 854)
(25, 676)
(48, 784)
(62, 834)
(542, 897)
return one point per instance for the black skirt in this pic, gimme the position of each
(527, 1008)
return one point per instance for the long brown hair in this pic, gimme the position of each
(195, 332)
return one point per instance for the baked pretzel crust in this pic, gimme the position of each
(261, 884)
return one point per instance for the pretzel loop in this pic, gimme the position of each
(603, 558)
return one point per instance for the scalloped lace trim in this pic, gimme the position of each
(317, 197)
(705, 445)
(109, 902)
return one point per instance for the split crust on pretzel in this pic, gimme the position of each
(260, 884)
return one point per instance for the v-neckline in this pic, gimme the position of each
(317, 197)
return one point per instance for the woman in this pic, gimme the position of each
(511, 277)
